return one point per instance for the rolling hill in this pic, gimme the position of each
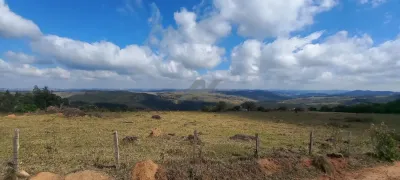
(258, 95)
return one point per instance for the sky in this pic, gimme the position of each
(252, 44)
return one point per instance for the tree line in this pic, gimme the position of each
(392, 107)
(245, 106)
(30, 101)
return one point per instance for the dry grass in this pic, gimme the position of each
(64, 145)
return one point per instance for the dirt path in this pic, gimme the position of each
(377, 173)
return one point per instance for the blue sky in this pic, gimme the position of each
(313, 44)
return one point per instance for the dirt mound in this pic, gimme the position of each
(243, 137)
(156, 117)
(144, 170)
(88, 175)
(306, 162)
(269, 166)
(155, 132)
(375, 173)
(11, 116)
(52, 109)
(339, 163)
(46, 176)
(324, 164)
(73, 112)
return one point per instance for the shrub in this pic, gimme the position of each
(385, 146)
(221, 106)
(73, 112)
(262, 109)
(312, 109)
(207, 108)
(282, 108)
(249, 105)
(236, 108)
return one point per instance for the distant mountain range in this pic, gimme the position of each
(368, 93)
(178, 99)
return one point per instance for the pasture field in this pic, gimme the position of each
(63, 145)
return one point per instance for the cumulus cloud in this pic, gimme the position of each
(192, 43)
(14, 26)
(101, 55)
(22, 58)
(271, 18)
(106, 56)
(301, 61)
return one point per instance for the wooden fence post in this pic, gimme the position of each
(15, 150)
(310, 145)
(116, 149)
(257, 150)
(195, 138)
(348, 145)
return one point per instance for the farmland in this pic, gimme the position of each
(62, 145)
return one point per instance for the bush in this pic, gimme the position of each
(282, 108)
(312, 109)
(221, 106)
(236, 108)
(73, 112)
(207, 108)
(23, 108)
(385, 146)
(249, 105)
(262, 109)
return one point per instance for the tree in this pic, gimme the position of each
(44, 98)
(236, 108)
(7, 102)
(260, 108)
(221, 106)
(249, 105)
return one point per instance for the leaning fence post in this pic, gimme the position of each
(15, 150)
(116, 149)
(310, 145)
(257, 150)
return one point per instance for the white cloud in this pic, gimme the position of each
(106, 56)
(245, 58)
(15, 26)
(271, 18)
(4, 67)
(193, 42)
(193, 55)
(27, 70)
(299, 61)
(374, 3)
(22, 58)
(98, 55)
